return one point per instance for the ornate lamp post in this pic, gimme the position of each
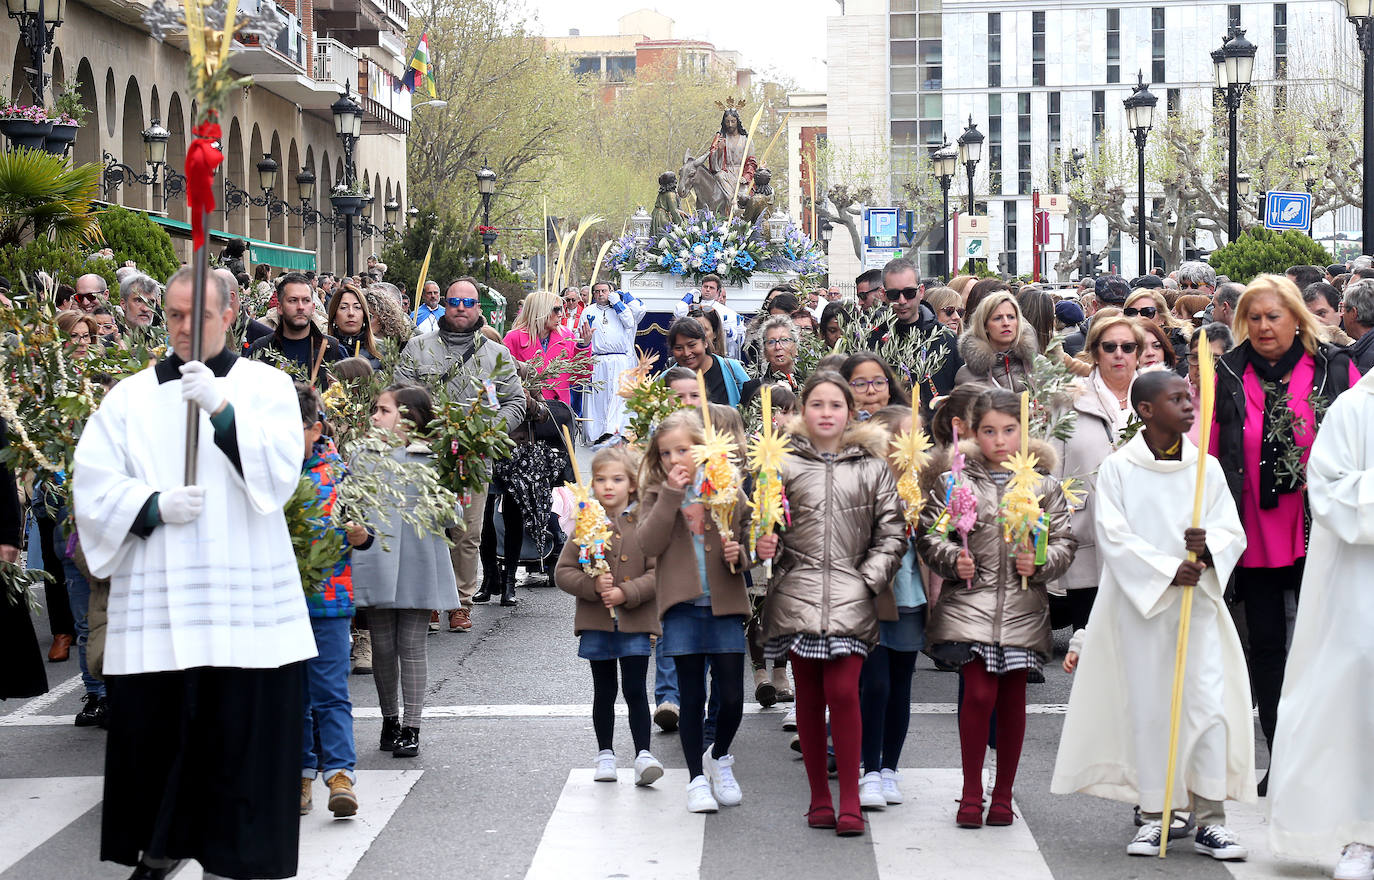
(1140, 110)
(640, 224)
(1361, 15)
(970, 151)
(945, 160)
(38, 22)
(268, 172)
(486, 187)
(1234, 66)
(115, 174)
(348, 124)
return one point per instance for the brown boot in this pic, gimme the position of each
(342, 800)
(61, 648)
(307, 795)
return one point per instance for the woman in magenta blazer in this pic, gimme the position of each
(537, 338)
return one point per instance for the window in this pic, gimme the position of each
(994, 49)
(1009, 238)
(1023, 143)
(994, 143)
(1099, 114)
(1173, 100)
(902, 27)
(1233, 15)
(620, 69)
(1281, 52)
(932, 71)
(1054, 117)
(1038, 48)
(1157, 73)
(1113, 45)
(587, 66)
(903, 51)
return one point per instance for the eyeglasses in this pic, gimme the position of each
(1190, 285)
(877, 384)
(85, 297)
(907, 293)
(461, 302)
(82, 337)
(778, 343)
(1126, 347)
(1146, 312)
(951, 311)
(556, 310)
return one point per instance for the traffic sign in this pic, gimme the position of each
(880, 227)
(976, 248)
(1055, 203)
(1288, 210)
(973, 224)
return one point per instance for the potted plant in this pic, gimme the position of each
(348, 199)
(69, 115)
(26, 125)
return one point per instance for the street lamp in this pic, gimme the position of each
(115, 174)
(38, 22)
(1234, 65)
(945, 160)
(1361, 15)
(486, 187)
(970, 151)
(1140, 111)
(348, 125)
(640, 224)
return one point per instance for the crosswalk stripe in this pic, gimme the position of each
(654, 835)
(43, 701)
(34, 809)
(919, 838)
(1250, 822)
(331, 848)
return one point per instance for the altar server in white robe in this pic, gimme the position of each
(1321, 779)
(208, 627)
(1115, 740)
(609, 325)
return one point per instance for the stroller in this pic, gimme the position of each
(543, 535)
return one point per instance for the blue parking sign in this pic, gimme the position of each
(1288, 210)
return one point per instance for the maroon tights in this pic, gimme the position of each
(833, 683)
(983, 692)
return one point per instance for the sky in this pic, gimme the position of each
(783, 35)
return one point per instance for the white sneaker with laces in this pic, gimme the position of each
(647, 768)
(990, 768)
(722, 775)
(789, 721)
(892, 792)
(1357, 863)
(1147, 839)
(699, 798)
(605, 766)
(871, 792)
(1219, 842)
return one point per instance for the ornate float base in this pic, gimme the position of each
(662, 293)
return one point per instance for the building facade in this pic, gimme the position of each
(1043, 77)
(128, 80)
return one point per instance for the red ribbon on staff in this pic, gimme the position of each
(202, 158)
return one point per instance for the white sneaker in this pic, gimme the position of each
(699, 798)
(1147, 838)
(605, 766)
(1357, 863)
(871, 792)
(891, 791)
(990, 768)
(723, 785)
(647, 768)
(789, 721)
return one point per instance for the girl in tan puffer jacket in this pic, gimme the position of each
(984, 621)
(844, 545)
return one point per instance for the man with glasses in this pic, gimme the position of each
(905, 296)
(91, 291)
(465, 363)
(574, 304)
(868, 289)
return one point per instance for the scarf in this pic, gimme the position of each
(1272, 446)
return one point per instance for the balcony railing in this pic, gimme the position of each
(377, 83)
(334, 62)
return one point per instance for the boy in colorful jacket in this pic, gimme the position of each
(328, 708)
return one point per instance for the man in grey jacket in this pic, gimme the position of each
(460, 359)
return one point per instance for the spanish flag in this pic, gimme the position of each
(419, 66)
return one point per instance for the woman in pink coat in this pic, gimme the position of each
(537, 338)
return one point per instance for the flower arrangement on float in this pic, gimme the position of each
(708, 244)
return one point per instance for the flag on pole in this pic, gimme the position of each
(419, 71)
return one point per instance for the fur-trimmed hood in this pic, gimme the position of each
(981, 360)
(859, 438)
(1046, 459)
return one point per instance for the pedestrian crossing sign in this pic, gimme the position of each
(1288, 210)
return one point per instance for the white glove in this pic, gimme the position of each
(198, 385)
(181, 505)
(613, 298)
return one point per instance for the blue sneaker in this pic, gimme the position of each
(1219, 842)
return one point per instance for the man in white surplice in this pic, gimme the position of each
(609, 326)
(1321, 777)
(1116, 734)
(208, 624)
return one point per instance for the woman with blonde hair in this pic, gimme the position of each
(1273, 389)
(999, 345)
(1150, 305)
(80, 329)
(538, 337)
(350, 322)
(961, 283)
(948, 305)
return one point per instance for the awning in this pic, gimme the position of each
(276, 255)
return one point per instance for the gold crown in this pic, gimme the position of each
(732, 104)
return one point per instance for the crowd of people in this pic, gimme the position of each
(864, 578)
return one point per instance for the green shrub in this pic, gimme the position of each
(133, 236)
(64, 264)
(1258, 251)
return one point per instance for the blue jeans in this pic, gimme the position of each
(328, 709)
(665, 690)
(79, 600)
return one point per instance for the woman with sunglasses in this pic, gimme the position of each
(537, 337)
(1102, 403)
(1150, 305)
(999, 346)
(873, 383)
(948, 305)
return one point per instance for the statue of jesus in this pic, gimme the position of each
(728, 153)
